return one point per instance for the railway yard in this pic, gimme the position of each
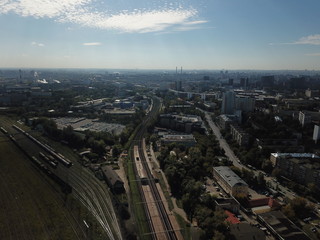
(36, 182)
(48, 182)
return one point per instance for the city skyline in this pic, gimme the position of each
(258, 35)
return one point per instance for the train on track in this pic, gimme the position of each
(140, 169)
(53, 163)
(66, 188)
(46, 147)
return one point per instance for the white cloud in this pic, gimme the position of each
(41, 8)
(151, 21)
(310, 40)
(37, 44)
(92, 44)
(82, 12)
(194, 22)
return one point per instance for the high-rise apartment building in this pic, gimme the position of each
(316, 133)
(245, 104)
(178, 85)
(228, 102)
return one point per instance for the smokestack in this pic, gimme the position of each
(176, 70)
(181, 70)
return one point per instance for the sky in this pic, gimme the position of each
(160, 34)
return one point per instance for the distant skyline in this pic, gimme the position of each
(160, 34)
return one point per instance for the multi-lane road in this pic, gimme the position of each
(236, 162)
(223, 144)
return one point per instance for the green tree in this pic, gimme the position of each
(218, 236)
(289, 212)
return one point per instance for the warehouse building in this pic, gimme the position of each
(113, 180)
(230, 182)
(281, 227)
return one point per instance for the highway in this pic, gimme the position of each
(93, 194)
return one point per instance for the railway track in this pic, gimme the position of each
(167, 226)
(25, 227)
(90, 192)
(96, 199)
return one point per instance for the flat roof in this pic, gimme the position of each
(283, 226)
(179, 137)
(245, 231)
(295, 155)
(229, 176)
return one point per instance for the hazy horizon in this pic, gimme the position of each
(161, 34)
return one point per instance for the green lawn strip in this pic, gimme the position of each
(184, 227)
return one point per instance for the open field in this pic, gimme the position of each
(31, 207)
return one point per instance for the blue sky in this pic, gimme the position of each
(160, 34)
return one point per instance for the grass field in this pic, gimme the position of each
(30, 206)
(185, 227)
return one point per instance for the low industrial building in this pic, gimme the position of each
(281, 227)
(113, 180)
(230, 204)
(230, 182)
(187, 140)
(83, 124)
(262, 205)
(182, 123)
(246, 231)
